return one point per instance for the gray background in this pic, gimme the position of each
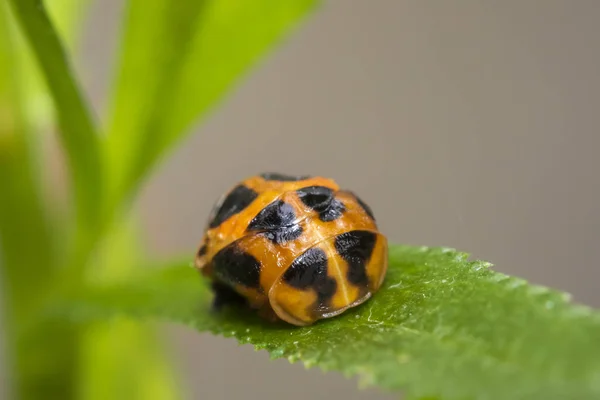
(469, 124)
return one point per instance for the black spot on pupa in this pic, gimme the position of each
(202, 250)
(275, 215)
(317, 198)
(364, 206)
(224, 295)
(277, 220)
(234, 266)
(322, 200)
(356, 247)
(274, 176)
(309, 271)
(237, 200)
(284, 234)
(335, 211)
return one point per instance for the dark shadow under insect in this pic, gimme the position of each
(225, 296)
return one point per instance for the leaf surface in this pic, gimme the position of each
(441, 327)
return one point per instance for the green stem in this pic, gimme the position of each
(77, 131)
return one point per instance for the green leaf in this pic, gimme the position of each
(176, 63)
(26, 216)
(36, 370)
(24, 119)
(23, 215)
(440, 327)
(125, 360)
(28, 219)
(66, 16)
(121, 359)
(77, 130)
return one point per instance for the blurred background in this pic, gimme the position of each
(468, 124)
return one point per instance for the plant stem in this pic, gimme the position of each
(77, 131)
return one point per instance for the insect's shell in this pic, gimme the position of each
(297, 248)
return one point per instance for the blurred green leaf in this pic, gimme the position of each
(120, 359)
(23, 218)
(68, 17)
(24, 224)
(83, 362)
(441, 327)
(77, 130)
(177, 62)
(124, 359)
(36, 101)
(29, 232)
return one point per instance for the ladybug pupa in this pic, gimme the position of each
(295, 248)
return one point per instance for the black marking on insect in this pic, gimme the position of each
(335, 211)
(202, 251)
(274, 176)
(277, 221)
(322, 200)
(284, 234)
(236, 201)
(356, 247)
(233, 266)
(309, 271)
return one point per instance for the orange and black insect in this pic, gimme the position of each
(295, 248)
